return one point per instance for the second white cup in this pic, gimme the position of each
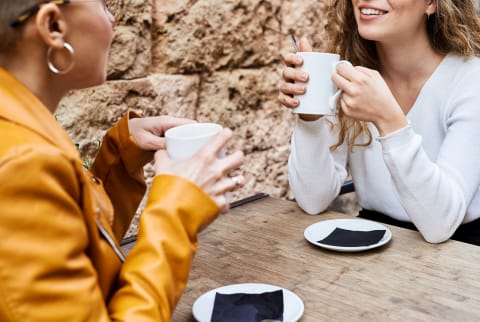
(322, 95)
(185, 140)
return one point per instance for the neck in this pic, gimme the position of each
(407, 61)
(36, 77)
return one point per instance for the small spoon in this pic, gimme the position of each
(294, 41)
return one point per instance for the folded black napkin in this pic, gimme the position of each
(352, 238)
(242, 307)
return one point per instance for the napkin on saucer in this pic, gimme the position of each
(353, 238)
(245, 307)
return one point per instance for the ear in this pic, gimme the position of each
(431, 7)
(51, 25)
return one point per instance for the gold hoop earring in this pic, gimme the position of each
(53, 68)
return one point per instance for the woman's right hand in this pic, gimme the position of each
(206, 170)
(294, 80)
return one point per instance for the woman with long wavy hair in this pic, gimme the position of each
(407, 121)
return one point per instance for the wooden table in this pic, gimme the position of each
(406, 280)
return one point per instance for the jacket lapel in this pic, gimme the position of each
(20, 106)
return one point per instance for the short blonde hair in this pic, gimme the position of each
(9, 10)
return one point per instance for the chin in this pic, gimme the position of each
(372, 35)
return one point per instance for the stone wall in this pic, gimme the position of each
(209, 60)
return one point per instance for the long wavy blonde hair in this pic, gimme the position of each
(454, 28)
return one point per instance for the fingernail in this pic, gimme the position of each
(298, 60)
(303, 76)
(300, 88)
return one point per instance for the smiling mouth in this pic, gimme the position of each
(372, 12)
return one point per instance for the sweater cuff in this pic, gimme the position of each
(396, 139)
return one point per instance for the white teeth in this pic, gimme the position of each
(373, 12)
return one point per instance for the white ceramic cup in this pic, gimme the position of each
(322, 95)
(185, 140)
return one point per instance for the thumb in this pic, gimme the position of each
(305, 45)
(161, 155)
(157, 143)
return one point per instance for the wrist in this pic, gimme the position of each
(390, 122)
(386, 128)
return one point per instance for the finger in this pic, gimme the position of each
(161, 159)
(347, 107)
(288, 101)
(223, 204)
(167, 122)
(341, 82)
(221, 201)
(288, 88)
(216, 144)
(160, 155)
(238, 182)
(344, 106)
(356, 74)
(154, 142)
(294, 74)
(228, 184)
(305, 44)
(366, 71)
(291, 59)
(231, 162)
(346, 70)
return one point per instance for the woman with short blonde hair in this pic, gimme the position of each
(60, 223)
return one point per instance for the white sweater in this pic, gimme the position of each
(427, 173)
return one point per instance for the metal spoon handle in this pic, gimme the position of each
(294, 41)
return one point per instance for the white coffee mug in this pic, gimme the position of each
(322, 95)
(185, 140)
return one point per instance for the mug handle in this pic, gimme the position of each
(332, 102)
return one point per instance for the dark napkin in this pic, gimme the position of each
(242, 307)
(353, 238)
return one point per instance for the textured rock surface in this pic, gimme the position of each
(208, 60)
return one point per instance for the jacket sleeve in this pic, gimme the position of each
(119, 165)
(155, 272)
(45, 272)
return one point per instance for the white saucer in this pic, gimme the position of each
(322, 229)
(203, 307)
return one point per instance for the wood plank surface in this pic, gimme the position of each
(406, 280)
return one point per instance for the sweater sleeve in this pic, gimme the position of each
(315, 172)
(435, 193)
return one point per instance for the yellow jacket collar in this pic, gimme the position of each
(20, 106)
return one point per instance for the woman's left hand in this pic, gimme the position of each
(367, 97)
(148, 132)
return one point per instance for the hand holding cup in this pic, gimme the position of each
(308, 88)
(203, 163)
(293, 80)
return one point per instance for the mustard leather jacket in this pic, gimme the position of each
(60, 224)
